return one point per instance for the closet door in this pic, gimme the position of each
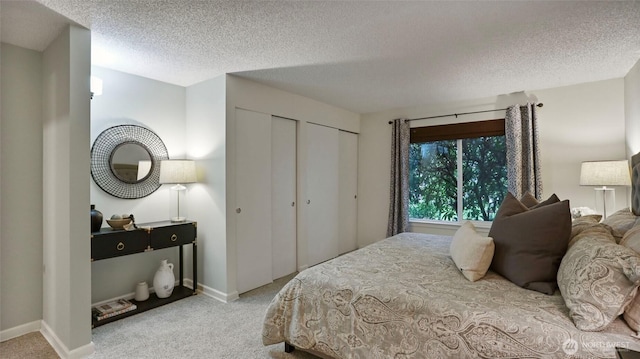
(322, 193)
(283, 196)
(348, 189)
(253, 199)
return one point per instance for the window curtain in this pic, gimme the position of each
(399, 198)
(523, 151)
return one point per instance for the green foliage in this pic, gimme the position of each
(433, 178)
(484, 167)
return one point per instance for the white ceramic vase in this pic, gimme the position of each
(164, 280)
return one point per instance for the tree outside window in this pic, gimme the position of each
(438, 192)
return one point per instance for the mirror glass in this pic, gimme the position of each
(130, 162)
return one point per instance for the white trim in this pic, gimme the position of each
(131, 295)
(20, 330)
(477, 224)
(61, 349)
(188, 282)
(445, 228)
(124, 296)
(218, 295)
(53, 340)
(82, 352)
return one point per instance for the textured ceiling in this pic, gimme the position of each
(365, 56)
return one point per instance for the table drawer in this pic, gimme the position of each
(163, 237)
(117, 244)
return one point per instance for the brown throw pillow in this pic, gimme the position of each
(530, 243)
(529, 200)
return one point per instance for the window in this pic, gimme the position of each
(457, 171)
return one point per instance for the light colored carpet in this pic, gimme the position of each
(32, 346)
(195, 327)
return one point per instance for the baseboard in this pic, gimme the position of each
(131, 295)
(61, 349)
(188, 282)
(82, 352)
(302, 268)
(124, 296)
(20, 330)
(218, 295)
(212, 293)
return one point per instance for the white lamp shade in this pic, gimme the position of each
(177, 171)
(605, 173)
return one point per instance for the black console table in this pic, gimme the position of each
(111, 243)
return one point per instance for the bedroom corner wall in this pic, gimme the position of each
(206, 143)
(160, 107)
(21, 188)
(632, 110)
(578, 123)
(66, 253)
(250, 95)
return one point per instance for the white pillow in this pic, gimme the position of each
(471, 252)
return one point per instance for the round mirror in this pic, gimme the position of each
(125, 161)
(131, 162)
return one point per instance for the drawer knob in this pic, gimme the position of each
(174, 238)
(120, 246)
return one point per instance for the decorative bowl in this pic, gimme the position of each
(118, 223)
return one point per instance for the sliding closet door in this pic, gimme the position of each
(348, 189)
(283, 196)
(322, 193)
(253, 199)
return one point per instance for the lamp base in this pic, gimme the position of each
(606, 192)
(178, 219)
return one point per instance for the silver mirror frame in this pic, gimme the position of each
(102, 152)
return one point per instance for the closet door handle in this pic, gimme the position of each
(238, 210)
(308, 201)
(293, 204)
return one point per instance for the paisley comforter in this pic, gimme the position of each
(404, 298)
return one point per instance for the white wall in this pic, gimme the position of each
(632, 109)
(212, 142)
(581, 123)
(577, 123)
(21, 187)
(205, 133)
(66, 226)
(197, 123)
(160, 107)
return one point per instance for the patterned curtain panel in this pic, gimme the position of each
(523, 151)
(399, 199)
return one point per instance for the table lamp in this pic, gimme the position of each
(179, 173)
(605, 173)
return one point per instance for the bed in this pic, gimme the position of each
(403, 297)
